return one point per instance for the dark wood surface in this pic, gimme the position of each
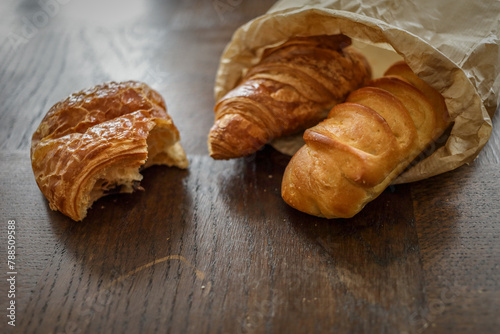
(214, 249)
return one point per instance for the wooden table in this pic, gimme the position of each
(214, 249)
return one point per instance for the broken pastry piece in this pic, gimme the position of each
(95, 142)
(291, 89)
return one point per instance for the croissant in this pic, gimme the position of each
(292, 88)
(94, 143)
(364, 144)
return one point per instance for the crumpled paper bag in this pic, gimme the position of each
(452, 45)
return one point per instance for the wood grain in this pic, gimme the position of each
(214, 249)
(226, 248)
(458, 215)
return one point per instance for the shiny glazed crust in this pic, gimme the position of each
(94, 143)
(292, 88)
(363, 145)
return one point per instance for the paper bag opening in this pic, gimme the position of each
(465, 88)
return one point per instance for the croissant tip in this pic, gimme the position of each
(234, 137)
(217, 152)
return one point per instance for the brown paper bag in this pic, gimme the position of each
(452, 45)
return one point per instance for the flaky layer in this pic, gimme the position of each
(289, 90)
(94, 143)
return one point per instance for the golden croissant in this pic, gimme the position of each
(364, 144)
(292, 88)
(94, 143)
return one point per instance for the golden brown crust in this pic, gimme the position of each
(401, 69)
(392, 110)
(95, 141)
(418, 106)
(290, 89)
(353, 155)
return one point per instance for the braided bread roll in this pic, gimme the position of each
(94, 143)
(292, 88)
(364, 144)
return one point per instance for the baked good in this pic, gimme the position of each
(363, 145)
(95, 142)
(292, 88)
(401, 70)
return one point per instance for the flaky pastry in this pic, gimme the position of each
(292, 88)
(96, 141)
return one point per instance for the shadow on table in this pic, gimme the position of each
(367, 265)
(126, 230)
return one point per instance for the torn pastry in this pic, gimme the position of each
(96, 141)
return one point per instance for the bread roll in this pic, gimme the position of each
(403, 71)
(292, 88)
(95, 142)
(363, 145)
